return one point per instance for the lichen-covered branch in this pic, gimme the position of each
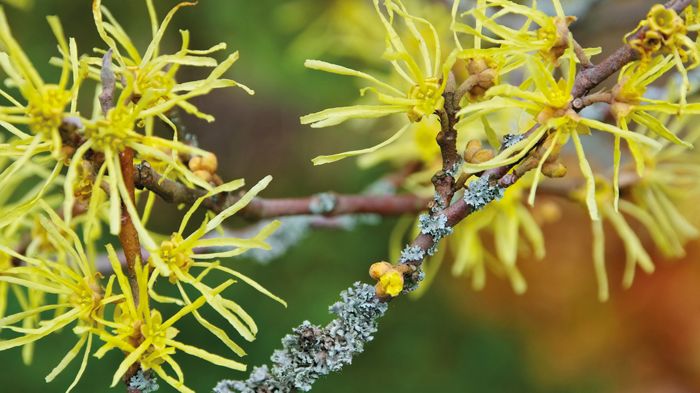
(313, 351)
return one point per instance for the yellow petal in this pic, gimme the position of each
(210, 357)
(320, 160)
(335, 116)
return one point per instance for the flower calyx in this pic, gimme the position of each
(557, 37)
(428, 97)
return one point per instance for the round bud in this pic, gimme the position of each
(204, 175)
(377, 270)
(554, 169)
(482, 156)
(195, 163)
(472, 148)
(209, 162)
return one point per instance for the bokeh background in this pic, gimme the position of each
(555, 338)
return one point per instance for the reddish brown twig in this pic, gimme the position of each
(128, 236)
(444, 180)
(326, 204)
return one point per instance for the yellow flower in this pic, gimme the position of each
(424, 75)
(654, 200)
(152, 75)
(514, 231)
(111, 135)
(666, 34)
(550, 39)
(45, 107)
(636, 255)
(147, 339)
(148, 91)
(46, 103)
(630, 106)
(389, 278)
(392, 283)
(178, 257)
(670, 178)
(549, 106)
(79, 297)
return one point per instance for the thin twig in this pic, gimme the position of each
(444, 180)
(325, 204)
(128, 236)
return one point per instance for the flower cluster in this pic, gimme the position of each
(664, 33)
(508, 79)
(85, 165)
(423, 71)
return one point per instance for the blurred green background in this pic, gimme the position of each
(450, 340)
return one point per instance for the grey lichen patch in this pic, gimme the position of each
(434, 225)
(511, 139)
(439, 203)
(408, 255)
(455, 169)
(414, 282)
(312, 351)
(144, 382)
(323, 203)
(412, 254)
(481, 192)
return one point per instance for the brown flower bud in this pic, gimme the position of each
(209, 163)
(195, 163)
(204, 175)
(472, 148)
(475, 153)
(379, 269)
(554, 169)
(482, 156)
